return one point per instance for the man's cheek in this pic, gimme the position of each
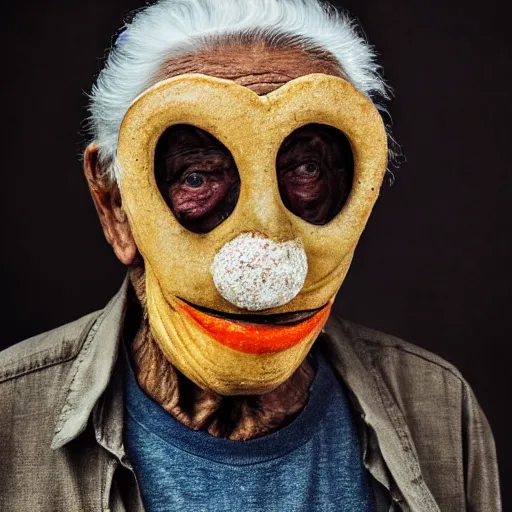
(193, 203)
(300, 194)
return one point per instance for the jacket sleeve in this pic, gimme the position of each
(481, 465)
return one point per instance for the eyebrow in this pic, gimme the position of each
(192, 151)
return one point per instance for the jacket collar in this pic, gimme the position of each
(92, 370)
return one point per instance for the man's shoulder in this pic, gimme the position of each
(389, 348)
(420, 405)
(399, 365)
(45, 350)
(37, 379)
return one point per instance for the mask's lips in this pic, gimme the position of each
(258, 334)
(291, 318)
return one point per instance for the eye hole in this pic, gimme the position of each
(314, 172)
(197, 177)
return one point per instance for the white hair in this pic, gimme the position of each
(170, 28)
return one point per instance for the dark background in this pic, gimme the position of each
(433, 266)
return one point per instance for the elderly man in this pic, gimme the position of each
(237, 152)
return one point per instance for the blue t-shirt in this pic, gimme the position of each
(312, 464)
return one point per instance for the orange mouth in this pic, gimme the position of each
(254, 338)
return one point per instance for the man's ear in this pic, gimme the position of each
(107, 199)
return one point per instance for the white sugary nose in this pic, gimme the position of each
(255, 273)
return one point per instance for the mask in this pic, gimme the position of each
(202, 287)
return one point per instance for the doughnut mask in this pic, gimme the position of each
(218, 298)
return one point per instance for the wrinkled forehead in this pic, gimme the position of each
(254, 65)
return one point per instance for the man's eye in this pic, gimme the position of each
(310, 168)
(194, 180)
(306, 170)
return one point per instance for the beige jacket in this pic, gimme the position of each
(425, 440)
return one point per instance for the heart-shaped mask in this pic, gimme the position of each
(202, 288)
